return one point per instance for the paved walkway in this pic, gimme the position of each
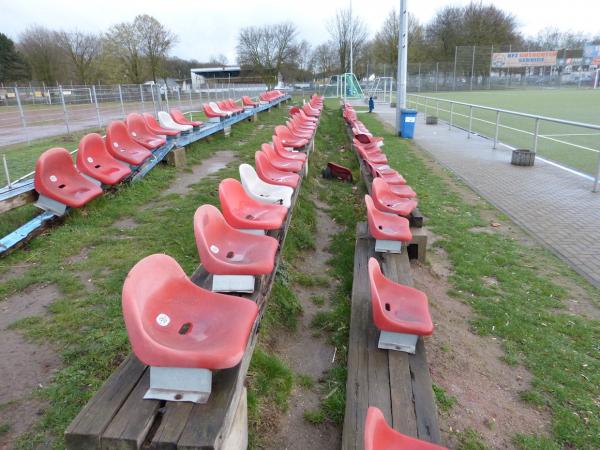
(554, 205)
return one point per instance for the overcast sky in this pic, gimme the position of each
(210, 28)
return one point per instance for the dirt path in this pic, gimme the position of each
(470, 368)
(24, 366)
(308, 354)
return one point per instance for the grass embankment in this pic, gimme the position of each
(270, 381)
(86, 326)
(524, 308)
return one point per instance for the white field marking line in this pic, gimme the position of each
(572, 134)
(552, 163)
(547, 161)
(542, 136)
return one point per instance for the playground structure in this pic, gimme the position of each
(380, 88)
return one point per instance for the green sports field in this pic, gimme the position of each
(572, 146)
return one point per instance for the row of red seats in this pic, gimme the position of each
(102, 161)
(174, 324)
(396, 308)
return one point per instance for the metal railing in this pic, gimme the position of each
(28, 113)
(435, 105)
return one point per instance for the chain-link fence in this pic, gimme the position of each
(473, 68)
(33, 112)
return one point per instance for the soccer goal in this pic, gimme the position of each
(597, 79)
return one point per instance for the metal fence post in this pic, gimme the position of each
(142, 98)
(455, 55)
(6, 171)
(472, 68)
(97, 107)
(191, 105)
(179, 96)
(90, 92)
(121, 99)
(597, 177)
(167, 96)
(451, 111)
(22, 114)
(470, 121)
(62, 99)
(153, 100)
(535, 135)
(497, 129)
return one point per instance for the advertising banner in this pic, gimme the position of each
(523, 59)
(591, 54)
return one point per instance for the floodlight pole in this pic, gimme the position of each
(402, 62)
(351, 38)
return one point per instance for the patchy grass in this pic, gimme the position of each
(470, 440)
(318, 300)
(315, 416)
(523, 308)
(86, 327)
(444, 401)
(305, 381)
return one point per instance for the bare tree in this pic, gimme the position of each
(123, 42)
(345, 28)
(41, 51)
(385, 44)
(267, 48)
(552, 38)
(83, 50)
(155, 42)
(324, 59)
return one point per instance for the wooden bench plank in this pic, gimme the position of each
(85, 430)
(171, 426)
(129, 427)
(398, 383)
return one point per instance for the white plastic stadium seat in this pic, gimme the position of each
(264, 192)
(216, 109)
(166, 121)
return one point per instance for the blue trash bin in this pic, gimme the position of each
(408, 118)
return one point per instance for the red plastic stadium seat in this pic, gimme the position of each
(271, 175)
(233, 107)
(224, 250)
(311, 112)
(94, 160)
(243, 212)
(179, 118)
(392, 178)
(385, 226)
(171, 322)
(247, 101)
(211, 113)
(57, 178)
(123, 147)
(155, 127)
(140, 133)
(288, 139)
(373, 156)
(380, 436)
(386, 200)
(282, 151)
(400, 190)
(281, 162)
(398, 308)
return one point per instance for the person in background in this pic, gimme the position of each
(371, 104)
